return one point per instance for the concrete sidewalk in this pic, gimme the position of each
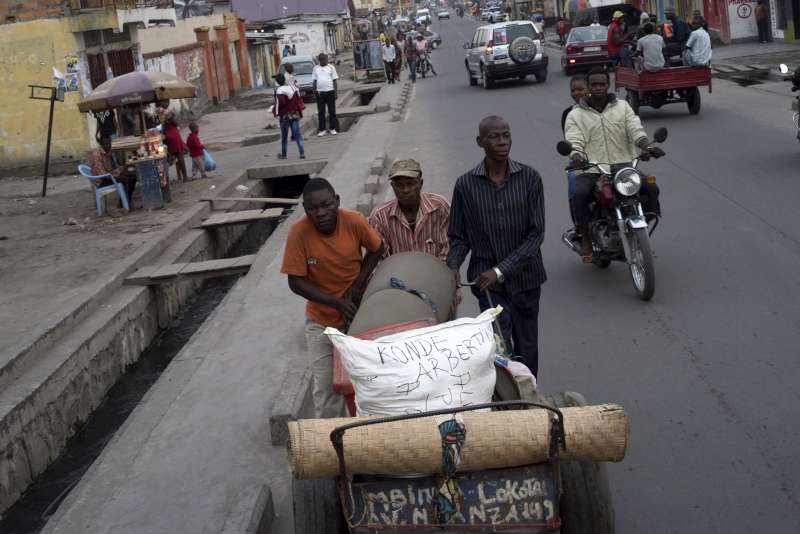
(195, 456)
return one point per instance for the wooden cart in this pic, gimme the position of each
(667, 86)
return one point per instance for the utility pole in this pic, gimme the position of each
(54, 94)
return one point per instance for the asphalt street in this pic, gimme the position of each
(708, 370)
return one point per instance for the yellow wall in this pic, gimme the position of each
(28, 53)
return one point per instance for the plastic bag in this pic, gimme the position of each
(443, 366)
(208, 161)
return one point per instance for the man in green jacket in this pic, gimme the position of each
(603, 129)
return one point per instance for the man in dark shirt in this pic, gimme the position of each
(680, 33)
(498, 213)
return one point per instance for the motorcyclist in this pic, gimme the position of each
(423, 51)
(603, 129)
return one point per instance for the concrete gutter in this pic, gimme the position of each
(195, 455)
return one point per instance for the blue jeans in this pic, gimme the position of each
(519, 322)
(294, 124)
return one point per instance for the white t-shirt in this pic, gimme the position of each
(652, 48)
(324, 77)
(388, 53)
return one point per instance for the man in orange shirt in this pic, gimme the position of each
(325, 265)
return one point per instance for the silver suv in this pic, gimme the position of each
(505, 50)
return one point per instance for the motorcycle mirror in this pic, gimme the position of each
(784, 69)
(564, 148)
(660, 135)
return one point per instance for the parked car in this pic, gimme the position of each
(303, 70)
(433, 38)
(506, 50)
(586, 46)
(423, 16)
(493, 15)
(443, 14)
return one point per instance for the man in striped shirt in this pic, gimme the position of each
(498, 214)
(414, 221)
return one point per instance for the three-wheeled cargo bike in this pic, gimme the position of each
(671, 85)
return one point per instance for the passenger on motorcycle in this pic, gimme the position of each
(603, 129)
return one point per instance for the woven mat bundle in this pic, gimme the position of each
(493, 440)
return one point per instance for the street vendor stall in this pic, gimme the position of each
(142, 153)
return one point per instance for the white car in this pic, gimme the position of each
(423, 16)
(443, 14)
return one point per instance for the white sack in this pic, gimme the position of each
(444, 366)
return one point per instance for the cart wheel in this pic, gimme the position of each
(317, 509)
(586, 506)
(633, 99)
(693, 100)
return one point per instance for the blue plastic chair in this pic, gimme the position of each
(100, 192)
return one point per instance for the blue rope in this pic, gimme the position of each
(448, 498)
(399, 284)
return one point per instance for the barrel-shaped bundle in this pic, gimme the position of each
(387, 307)
(493, 440)
(417, 271)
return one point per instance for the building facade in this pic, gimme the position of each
(86, 42)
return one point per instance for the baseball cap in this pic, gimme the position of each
(617, 14)
(405, 167)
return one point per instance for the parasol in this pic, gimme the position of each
(136, 88)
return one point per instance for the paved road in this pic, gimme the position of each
(708, 370)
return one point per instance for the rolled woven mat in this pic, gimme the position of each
(493, 440)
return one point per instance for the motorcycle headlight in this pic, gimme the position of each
(627, 182)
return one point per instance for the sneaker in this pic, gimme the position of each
(323, 133)
(302, 156)
(334, 132)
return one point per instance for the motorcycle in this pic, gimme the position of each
(795, 79)
(620, 228)
(424, 65)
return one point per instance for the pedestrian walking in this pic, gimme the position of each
(398, 58)
(196, 151)
(294, 49)
(389, 54)
(411, 58)
(325, 87)
(175, 147)
(286, 50)
(497, 213)
(288, 108)
(324, 264)
(762, 21)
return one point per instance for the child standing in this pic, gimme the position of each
(175, 147)
(196, 151)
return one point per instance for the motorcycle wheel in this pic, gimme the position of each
(642, 266)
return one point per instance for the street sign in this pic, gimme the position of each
(42, 92)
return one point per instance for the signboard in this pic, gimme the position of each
(367, 55)
(524, 497)
(741, 14)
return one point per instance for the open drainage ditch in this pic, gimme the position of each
(31, 512)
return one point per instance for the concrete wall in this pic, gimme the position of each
(28, 53)
(308, 37)
(187, 63)
(158, 38)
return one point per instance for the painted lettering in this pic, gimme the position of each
(477, 513)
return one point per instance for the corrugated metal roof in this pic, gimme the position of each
(258, 10)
